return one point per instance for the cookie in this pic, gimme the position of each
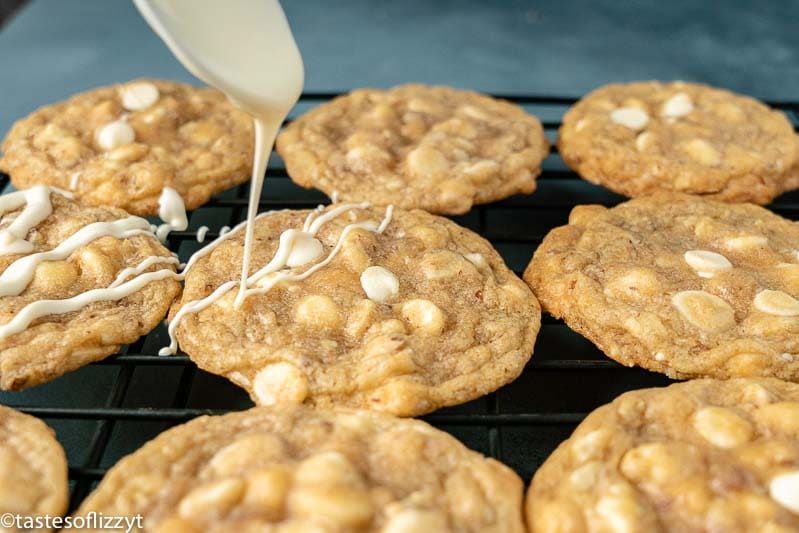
(299, 470)
(704, 455)
(77, 282)
(678, 284)
(121, 145)
(33, 468)
(645, 137)
(422, 315)
(433, 148)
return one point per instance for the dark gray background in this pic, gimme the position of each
(53, 48)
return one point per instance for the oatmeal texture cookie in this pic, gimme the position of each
(287, 470)
(33, 468)
(419, 317)
(678, 284)
(58, 343)
(700, 456)
(121, 145)
(644, 137)
(415, 146)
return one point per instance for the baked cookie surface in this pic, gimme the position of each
(33, 467)
(121, 145)
(678, 284)
(52, 272)
(420, 316)
(416, 146)
(704, 455)
(644, 137)
(301, 470)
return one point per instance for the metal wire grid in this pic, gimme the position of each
(512, 425)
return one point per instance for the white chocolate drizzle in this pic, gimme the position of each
(277, 269)
(19, 274)
(41, 308)
(172, 211)
(201, 232)
(37, 208)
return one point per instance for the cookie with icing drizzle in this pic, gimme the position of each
(705, 455)
(303, 470)
(416, 146)
(644, 137)
(121, 145)
(76, 283)
(678, 284)
(33, 468)
(402, 312)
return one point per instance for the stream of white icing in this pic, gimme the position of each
(245, 49)
(207, 36)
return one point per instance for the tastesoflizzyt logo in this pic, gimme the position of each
(91, 520)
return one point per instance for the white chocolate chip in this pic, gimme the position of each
(139, 95)
(704, 310)
(630, 117)
(115, 134)
(424, 316)
(745, 242)
(722, 427)
(644, 141)
(280, 383)
(706, 263)
(415, 521)
(677, 106)
(380, 284)
(776, 303)
(304, 249)
(476, 259)
(784, 489)
(702, 152)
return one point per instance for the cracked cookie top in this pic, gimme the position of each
(644, 137)
(414, 146)
(121, 145)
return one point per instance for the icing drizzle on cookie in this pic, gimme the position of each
(19, 274)
(278, 268)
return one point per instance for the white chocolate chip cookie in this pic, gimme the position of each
(415, 146)
(678, 284)
(421, 316)
(301, 470)
(644, 137)
(33, 468)
(121, 145)
(48, 274)
(704, 455)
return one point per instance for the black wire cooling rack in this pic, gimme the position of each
(109, 409)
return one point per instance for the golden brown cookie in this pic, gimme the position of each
(678, 284)
(415, 146)
(121, 145)
(73, 250)
(644, 137)
(33, 469)
(300, 470)
(704, 455)
(421, 316)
